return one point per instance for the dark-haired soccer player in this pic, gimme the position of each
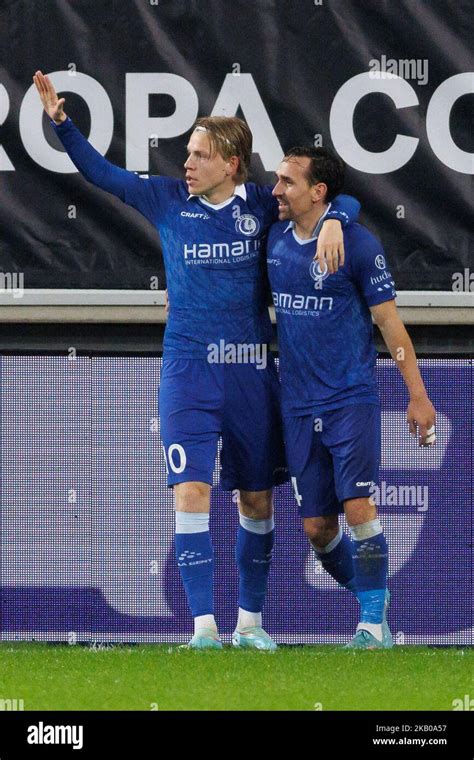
(330, 401)
(217, 378)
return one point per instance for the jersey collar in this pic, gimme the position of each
(239, 190)
(316, 231)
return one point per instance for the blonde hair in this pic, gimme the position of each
(229, 136)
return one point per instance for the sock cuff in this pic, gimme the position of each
(330, 546)
(257, 526)
(366, 530)
(192, 522)
(205, 621)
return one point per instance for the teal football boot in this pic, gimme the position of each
(253, 638)
(205, 638)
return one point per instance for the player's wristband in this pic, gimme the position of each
(339, 216)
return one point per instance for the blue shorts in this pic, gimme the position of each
(333, 456)
(200, 401)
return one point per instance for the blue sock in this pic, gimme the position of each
(194, 555)
(336, 558)
(254, 548)
(370, 557)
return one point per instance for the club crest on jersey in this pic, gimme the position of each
(247, 224)
(316, 273)
(380, 261)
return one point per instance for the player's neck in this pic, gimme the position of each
(220, 193)
(306, 223)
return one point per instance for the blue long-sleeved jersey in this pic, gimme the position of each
(214, 255)
(325, 335)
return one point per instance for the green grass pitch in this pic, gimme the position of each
(150, 677)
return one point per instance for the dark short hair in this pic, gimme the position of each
(325, 166)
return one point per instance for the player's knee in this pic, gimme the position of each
(320, 531)
(192, 497)
(257, 505)
(359, 511)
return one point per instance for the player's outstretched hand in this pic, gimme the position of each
(421, 413)
(52, 105)
(330, 248)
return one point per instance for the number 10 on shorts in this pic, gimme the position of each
(175, 452)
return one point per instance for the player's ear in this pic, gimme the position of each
(318, 192)
(233, 164)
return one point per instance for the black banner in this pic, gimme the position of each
(385, 84)
(377, 734)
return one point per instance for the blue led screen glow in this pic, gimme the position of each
(87, 522)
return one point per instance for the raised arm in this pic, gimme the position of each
(126, 185)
